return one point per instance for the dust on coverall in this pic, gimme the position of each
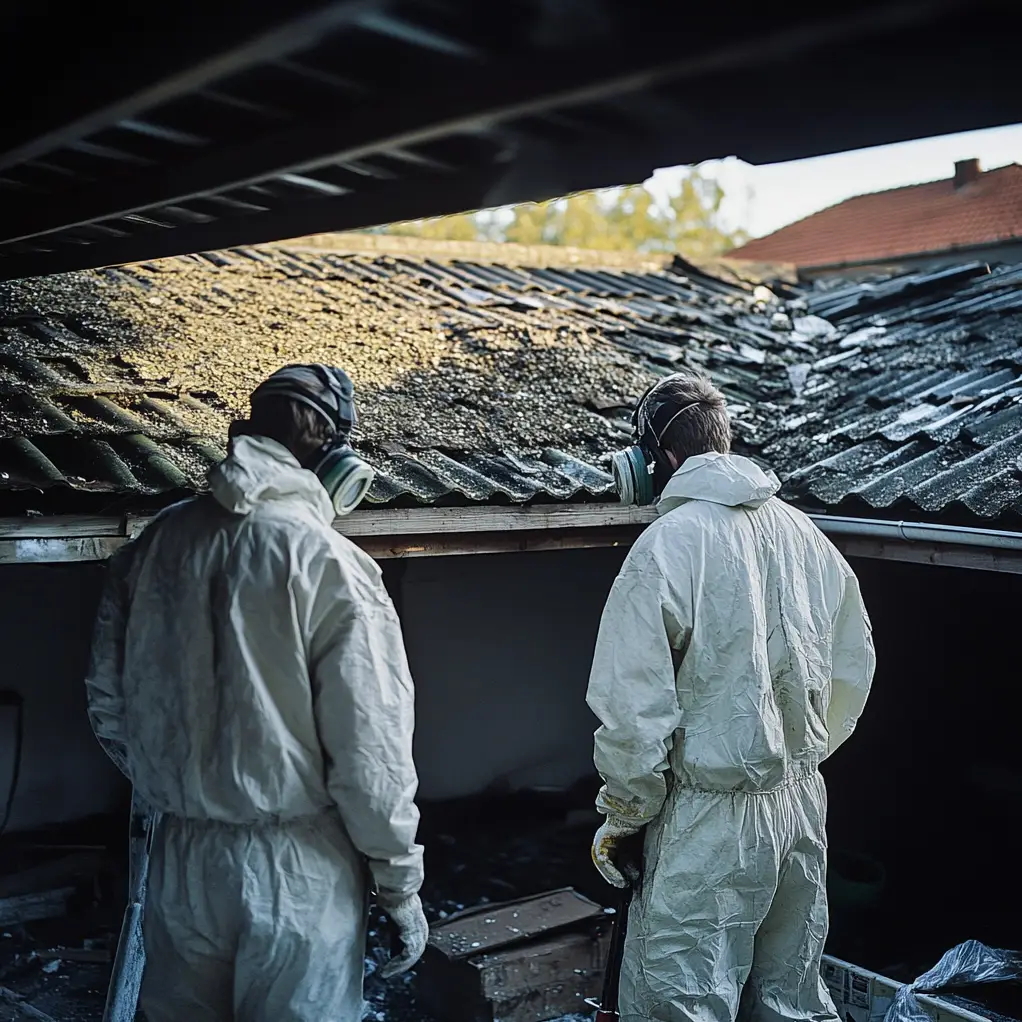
(734, 655)
(249, 676)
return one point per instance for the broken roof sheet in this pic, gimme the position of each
(914, 408)
(476, 382)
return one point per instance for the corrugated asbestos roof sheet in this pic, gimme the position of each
(914, 407)
(476, 382)
(492, 383)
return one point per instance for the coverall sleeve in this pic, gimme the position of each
(633, 691)
(104, 683)
(854, 661)
(365, 714)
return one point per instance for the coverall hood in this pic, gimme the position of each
(258, 470)
(727, 479)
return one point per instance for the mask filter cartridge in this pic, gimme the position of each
(633, 476)
(345, 477)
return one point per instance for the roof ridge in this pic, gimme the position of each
(358, 243)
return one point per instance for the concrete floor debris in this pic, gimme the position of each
(486, 850)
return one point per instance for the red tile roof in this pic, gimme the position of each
(932, 217)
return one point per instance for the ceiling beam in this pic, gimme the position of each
(499, 92)
(204, 49)
(435, 195)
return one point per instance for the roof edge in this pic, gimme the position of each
(958, 251)
(736, 255)
(435, 532)
(368, 522)
(383, 534)
(507, 252)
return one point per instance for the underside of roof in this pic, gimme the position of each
(233, 123)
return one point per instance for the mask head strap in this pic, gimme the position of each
(325, 389)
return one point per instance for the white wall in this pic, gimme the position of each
(46, 614)
(500, 648)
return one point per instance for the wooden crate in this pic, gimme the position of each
(523, 961)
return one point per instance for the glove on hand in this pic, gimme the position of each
(407, 918)
(607, 851)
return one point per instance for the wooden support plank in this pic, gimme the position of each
(25, 908)
(450, 544)
(61, 527)
(45, 875)
(370, 522)
(528, 517)
(21, 1007)
(86, 955)
(433, 532)
(58, 551)
(943, 555)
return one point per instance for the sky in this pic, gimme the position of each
(760, 199)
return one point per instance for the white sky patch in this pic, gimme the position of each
(760, 199)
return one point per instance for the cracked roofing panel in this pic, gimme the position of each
(117, 385)
(926, 420)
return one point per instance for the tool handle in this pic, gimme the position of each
(629, 860)
(129, 961)
(126, 975)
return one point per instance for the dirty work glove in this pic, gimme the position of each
(406, 917)
(617, 852)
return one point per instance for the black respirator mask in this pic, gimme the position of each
(643, 470)
(328, 390)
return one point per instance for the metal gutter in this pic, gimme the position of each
(918, 532)
(945, 546)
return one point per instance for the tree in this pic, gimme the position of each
(614, 218)
(459, 227)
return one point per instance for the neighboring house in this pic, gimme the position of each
(491, 394)
(972, 215)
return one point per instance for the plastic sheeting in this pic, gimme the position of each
(969, 963)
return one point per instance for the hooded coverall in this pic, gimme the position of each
(733, 656)
(249, 677)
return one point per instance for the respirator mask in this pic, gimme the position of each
(327, 390)
(643, 470)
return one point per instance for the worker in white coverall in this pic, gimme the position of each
(734, 655)
(249, 677)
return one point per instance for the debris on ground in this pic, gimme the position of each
(480, 851)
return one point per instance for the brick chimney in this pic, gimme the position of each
(966, 171)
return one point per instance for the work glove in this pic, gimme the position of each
(617, 852)
(407, 919)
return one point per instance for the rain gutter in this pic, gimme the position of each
(925, 543)
(919, 532)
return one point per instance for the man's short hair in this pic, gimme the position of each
(300, 428)
(703, 426)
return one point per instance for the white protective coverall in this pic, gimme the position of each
(249, 677)
(734, 655)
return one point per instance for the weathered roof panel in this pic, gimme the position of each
(484, 382)
(121, 382)
(925, 420)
